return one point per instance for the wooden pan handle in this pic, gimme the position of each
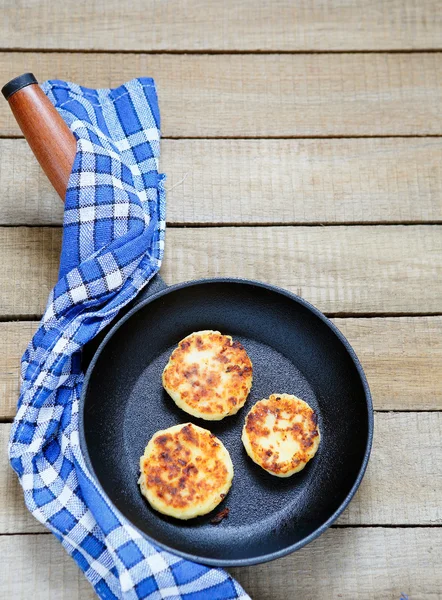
(49, 137)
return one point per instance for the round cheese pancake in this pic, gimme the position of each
(208, 375)
(185, 471)
(281, 434)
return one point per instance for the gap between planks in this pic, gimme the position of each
(202, 224)
(333, 526)
(208, 52)
(29, 318)
(278, 137)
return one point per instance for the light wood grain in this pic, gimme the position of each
(227, 25)
(14, 516)
(262, 181)
(30, 258)
(402, 359)
(263, 95)
(339, 269)
(14, 339)
(401, 356)
(406, 456)
(352, 564)
(38, 567)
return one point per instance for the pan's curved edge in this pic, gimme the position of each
(289, 549)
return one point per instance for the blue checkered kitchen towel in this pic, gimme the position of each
(113, 241)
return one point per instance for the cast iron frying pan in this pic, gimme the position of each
(294, 349)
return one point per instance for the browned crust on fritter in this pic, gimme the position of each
(229, 357)
(173, 476)
(305, 432)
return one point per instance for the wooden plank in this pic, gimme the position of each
(14, 516)
(339, 269)
(402, 359)
(262, 181)
(276, 95)
(27, 196)
(401, 356)
(15, 337)
(227, 25)
(352, 564)
(402, 486)
(38, 567)
(31, 255)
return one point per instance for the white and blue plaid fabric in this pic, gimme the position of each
(113, 240)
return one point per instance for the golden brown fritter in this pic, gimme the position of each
(185, 471)
(208, 375)
(281, 434)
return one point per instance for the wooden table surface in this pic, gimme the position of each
(302, 144)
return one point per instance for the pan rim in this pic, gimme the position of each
(255, 560)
